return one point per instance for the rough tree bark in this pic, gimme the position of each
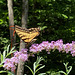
(11, 21)
(20, 70)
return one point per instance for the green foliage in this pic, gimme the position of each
(37, 66)
(53, 73)
(57, 16)
(68, 69)
(4, 55)
(56, 19)
(4, 35)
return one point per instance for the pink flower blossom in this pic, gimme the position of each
(67, 47)
(34, 48)
(73, 44)
(7, 60)
(23, 57)
(17, 54)
(10, 64)
(15, 60)
(44, 44)
(24, 50)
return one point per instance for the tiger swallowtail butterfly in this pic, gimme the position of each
(27, 35)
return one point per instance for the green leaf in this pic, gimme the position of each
(1, 57)
(63, 72)
(42, 74)
(42, 28)
(40, 68)
(34, 66)
(66, 64)
(1, 21)
(8, 49)
(30, 69)
(1, 1)
(39, 59)
(4, 54)
(70, 68)
(10, 73)
(12, 49)
(10, 53)
(2, 71)
(1, 65)
(65, 16)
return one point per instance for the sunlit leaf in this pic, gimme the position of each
(65, 16)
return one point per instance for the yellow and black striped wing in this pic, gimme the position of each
(30, 37)
(27, 35)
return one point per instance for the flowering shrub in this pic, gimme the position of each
(10, 64)
(45, 45)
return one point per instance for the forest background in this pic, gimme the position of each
(56, 17)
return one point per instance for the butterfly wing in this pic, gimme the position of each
(22, 33)
(31, 36)
(27, 35)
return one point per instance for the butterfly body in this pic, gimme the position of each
(27, 35)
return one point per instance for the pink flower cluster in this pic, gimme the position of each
(53, 45)
(10, 64)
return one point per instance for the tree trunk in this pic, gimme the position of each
(11, 21)
(20, 70)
